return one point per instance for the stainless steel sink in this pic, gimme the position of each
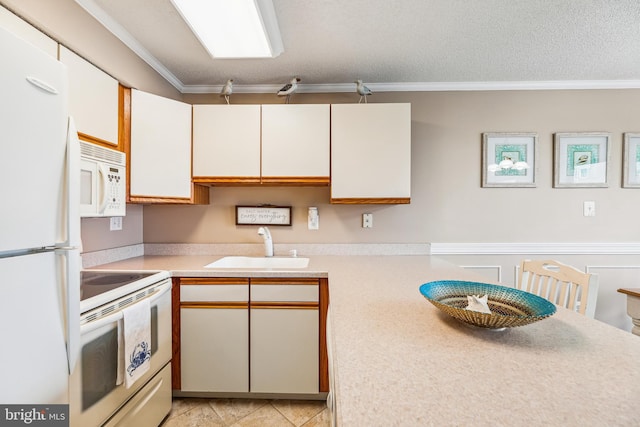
(242, 262)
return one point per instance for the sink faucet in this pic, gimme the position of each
(268, 242)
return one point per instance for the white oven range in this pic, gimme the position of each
(95, 398)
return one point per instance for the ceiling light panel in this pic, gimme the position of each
(233, 28)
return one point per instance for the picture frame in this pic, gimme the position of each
(263, 215)
(509, 159)
(581, 159)
(631, 160)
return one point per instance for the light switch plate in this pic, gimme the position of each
(313, 219)
(589, 208)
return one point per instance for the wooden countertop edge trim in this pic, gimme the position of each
(634, 292)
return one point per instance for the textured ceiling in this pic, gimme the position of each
(404, 43)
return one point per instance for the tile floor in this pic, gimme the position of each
(192, 412)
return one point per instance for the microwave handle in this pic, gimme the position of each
(102, 173)
(96, 324)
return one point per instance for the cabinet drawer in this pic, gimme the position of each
(284, 293)
(214, 293)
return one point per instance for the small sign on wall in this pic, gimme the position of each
(263, 215)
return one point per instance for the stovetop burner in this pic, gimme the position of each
(98, 287)
(94, 283)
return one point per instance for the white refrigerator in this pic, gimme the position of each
(39, 227)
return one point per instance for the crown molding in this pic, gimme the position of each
(632, 248)
(131, 42)
(427, 86)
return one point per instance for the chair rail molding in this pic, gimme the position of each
(627, 248)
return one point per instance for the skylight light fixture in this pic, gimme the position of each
(233, 28)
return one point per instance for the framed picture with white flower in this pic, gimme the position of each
(509, 159)
(631, 161)
(581, 159)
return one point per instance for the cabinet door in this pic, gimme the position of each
(226, 143)
(370, 153)
(214, 349)
(285, 335)
(93, 99)
(295, 143)
(213, 319)
(160, 165)
(284, 350)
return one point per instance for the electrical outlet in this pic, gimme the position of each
(115, 223)
(367, 220)
(589, 208)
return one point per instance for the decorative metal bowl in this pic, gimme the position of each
(509, 307)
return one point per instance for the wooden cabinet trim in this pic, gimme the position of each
(284, 281)
(214, 304)
(284, 305)
(224, 180)
(94, 140)
(124, 123)
(324, 357)
(319, 181)
(213, 281)
(199, 196)
(315, 181)
(175, 334)
(371, 201)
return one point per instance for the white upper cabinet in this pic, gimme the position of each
(160, 153)
(295, 143)
(93, 99)
(25, 31)
(371, 153)
(250, 144)
(226, 143)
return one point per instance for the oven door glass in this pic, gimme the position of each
(99, 361)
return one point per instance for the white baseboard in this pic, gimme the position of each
(631, 248)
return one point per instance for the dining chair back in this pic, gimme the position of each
(561, 284)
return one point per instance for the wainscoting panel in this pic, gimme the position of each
(610, 279)
(617, 266)
(491, 272)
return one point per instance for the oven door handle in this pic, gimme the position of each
(96, 324)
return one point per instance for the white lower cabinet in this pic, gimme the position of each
(285, 335)
(215, 352)
(252, 335)
(214, 335)
(284, 350)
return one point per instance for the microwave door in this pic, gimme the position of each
(93, 188)
(88, 188)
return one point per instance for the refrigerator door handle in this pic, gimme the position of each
(72, 280)
(73, 186)
(42, 85)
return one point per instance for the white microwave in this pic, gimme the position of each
(103, 181)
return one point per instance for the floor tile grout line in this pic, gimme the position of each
(291, 421)
(189, 404)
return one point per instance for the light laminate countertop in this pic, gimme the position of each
(399, 361)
